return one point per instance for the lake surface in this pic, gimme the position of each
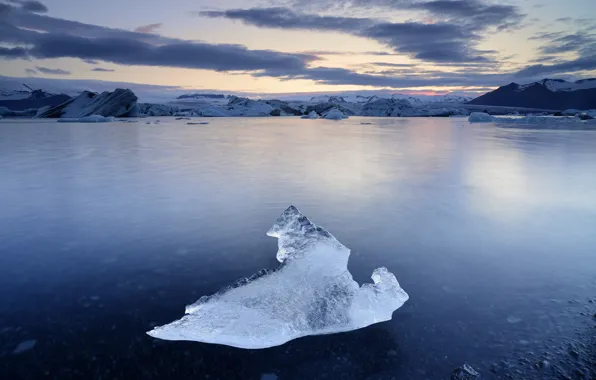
(107, 230)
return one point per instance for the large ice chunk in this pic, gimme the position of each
(310, 293)
(88, 119)
(335, 114)
(480, 117)
(543, 121)
(119, 103)
(311, 115)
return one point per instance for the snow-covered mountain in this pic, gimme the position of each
(404, 107)
(8, 94)
(201, 96)
(20, 100)
(415, 100)
(327, 99)
(557, 85)
(199, 100)
(452, 98)
(551, 94)
(419, 100)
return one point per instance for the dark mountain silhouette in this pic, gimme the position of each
(37, 99)
(551, 94)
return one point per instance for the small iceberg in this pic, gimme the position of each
(480, 117)
(24, 346)
(310, 293)
(335, 114)
(88, 119)
(311, 115)
(545, 122)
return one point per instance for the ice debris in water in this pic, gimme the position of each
(311, 115)
(465, 372)
(88, 119)
(310, 293)
(513, 320)
(545, 121)
(24, 346)
(480, 117)
(335, 114)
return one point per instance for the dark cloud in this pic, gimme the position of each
(30, 6)
(183, 55)
(334, 52)
(151, 28)
(46, 70)
(581, 42)
(285, 18)
(30, 71)
(443, 43)
(340, 76)
(545, 36)
(68, 39)
(477, 13)
(569, 43)
(16, 18)
(90, 61)
(389, 64)
(34, 6)
(440, 42)
(546, 58)
(580, 64)
(102, 70)
(428, 42)
(13, 53)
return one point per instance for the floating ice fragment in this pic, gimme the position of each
(480, 117)
(311, 115)
(88, 119)
(465, 372)
(268, 376)
(310, 293)
(513, 320)
(545, 122)
(24, 346)
(335, 114)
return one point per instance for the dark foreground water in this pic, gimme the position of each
(107, 230)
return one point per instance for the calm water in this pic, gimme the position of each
(109, 229)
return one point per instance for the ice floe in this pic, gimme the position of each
(310, 293)
(88, 119)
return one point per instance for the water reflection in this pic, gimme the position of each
(108, 230)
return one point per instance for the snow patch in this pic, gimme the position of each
(557, 85)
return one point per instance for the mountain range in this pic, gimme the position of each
(548, 94)
(551, 94)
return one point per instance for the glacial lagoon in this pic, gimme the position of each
(108, 230)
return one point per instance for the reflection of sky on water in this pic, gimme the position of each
(478, 223)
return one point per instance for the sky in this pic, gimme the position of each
(300, 46)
